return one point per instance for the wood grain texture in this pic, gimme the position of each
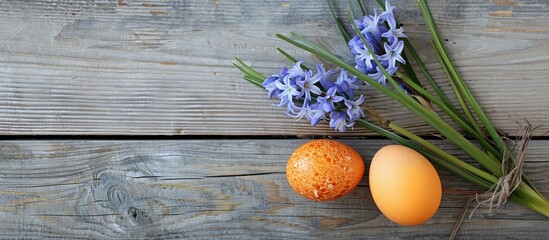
(163, 67)
(216, 189)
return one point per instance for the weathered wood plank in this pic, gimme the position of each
(164, 67)
(212, 189)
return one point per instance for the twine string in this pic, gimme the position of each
(506, 185)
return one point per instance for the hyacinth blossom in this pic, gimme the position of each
(384, 38)
(316, 96)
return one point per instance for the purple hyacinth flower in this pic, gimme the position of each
(372, 26)
(338, 121)
(388, 11)
(299, 112)
(354, 111)
(296, 71)
(345, 84)
(313, 113)
(288, 91)
(363, 55)
(393, 33)
(354, 42)
(392, 53)
(270, 83)
(327, 102)
(359, 23)
(316, 114)
(384, 43)
(380, 77)
(323, 76)
(307, 85)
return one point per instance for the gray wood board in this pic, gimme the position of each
(212, 189)
(165, 67)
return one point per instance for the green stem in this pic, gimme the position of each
(480, 138)
(248, 70)
(428, 76)
(454, 116)
(458, 94)
(457, 77)
(339, 24)
(536, 205)
(461, 164)
(532, 199)
(289, 57)
(353, 10)
(410, 70)
(362, 9)
(492, 132)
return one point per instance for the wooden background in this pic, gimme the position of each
(126, 119)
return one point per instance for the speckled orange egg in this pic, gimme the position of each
(404, 185)
(323, 170)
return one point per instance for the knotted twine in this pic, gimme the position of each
(503, 189)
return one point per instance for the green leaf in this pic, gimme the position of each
(339, 24)
(250, 74)
(410, 70)
(292, 59)
(458, 94)
(428, 76)
(455, 117)
(457, 78)
(362, 8)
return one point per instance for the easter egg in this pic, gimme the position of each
(323, 170)
(404, 185)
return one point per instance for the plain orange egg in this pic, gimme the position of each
(404, 185)
(323, 170)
